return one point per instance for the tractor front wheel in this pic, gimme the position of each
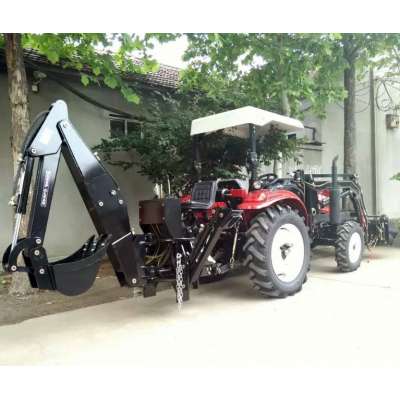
(277, 252)
(349, 246)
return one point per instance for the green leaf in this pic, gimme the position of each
(130, 95)
(53, 56)
(396, 177)
(85, 79)
(111, 81)
(96, 71)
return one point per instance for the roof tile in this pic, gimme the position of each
(166, 76)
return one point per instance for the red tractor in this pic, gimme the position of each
(264, 223)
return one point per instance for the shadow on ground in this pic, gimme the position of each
(106, 289)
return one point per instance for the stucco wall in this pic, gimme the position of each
(332, 136)
(388, 164)
(330, 132)
(69, 223)
(387, 151)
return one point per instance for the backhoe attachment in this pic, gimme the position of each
(51, 136)
(166, 251)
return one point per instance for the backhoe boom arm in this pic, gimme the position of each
(50, 137)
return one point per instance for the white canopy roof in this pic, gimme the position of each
(236, 122)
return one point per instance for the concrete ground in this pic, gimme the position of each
(336, 320)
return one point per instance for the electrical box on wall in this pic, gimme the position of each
(392, 121)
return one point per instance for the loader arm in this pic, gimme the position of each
(51, 137)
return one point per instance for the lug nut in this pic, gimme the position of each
(113, 192)
(36, 252)
(100, 203)
(33, 151)
(13, 268)
(41, 271)
(38, 241)
(120, 201)
(134, 281)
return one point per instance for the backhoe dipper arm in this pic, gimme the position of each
(101, 195)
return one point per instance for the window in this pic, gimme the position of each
(120, 127)
(292, 136)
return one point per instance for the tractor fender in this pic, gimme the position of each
(258, 200)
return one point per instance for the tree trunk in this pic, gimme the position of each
(18, 96)
(349, 140)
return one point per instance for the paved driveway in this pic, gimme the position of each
(337, 320)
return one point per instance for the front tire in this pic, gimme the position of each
(349, 246)
(277, 252)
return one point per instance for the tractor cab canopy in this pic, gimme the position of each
(237, 123)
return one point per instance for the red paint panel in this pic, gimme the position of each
(264, 198)
(186, 198)
(240, 193)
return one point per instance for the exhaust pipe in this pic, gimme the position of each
(334, 216)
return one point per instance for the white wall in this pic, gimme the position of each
(332, 136)
(69, 223)
(330, 132)
(388, 164)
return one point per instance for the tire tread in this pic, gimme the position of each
(257, 237)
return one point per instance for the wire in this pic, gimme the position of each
(384, 99)
(85, 97)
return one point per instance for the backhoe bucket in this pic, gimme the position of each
(71, 276)
(76, 274)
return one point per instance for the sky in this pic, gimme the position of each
(170, 53)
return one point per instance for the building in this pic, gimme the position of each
(98, 112)
(378, 140)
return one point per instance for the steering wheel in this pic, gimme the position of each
(270, 178)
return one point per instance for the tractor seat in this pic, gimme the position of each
(203, 194)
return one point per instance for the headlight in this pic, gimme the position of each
(257, 185)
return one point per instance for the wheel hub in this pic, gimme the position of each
(287, 252)
(355, 247)
(285, 249)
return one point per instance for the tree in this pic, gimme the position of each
(228, 71)
(101, 59)
(356, 53)
(18, 96)
(284, 71)
(274, 71)
(278, 71)
(164, 147)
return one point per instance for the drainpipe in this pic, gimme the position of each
(374, 164)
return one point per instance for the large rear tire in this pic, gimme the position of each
(349, 246)
(277, 252)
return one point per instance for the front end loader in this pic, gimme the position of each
(265, 223)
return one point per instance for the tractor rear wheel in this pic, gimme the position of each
(277, 252)
(349, 246)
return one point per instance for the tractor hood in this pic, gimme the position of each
(236, 122)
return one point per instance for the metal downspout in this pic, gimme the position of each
(374, 164)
